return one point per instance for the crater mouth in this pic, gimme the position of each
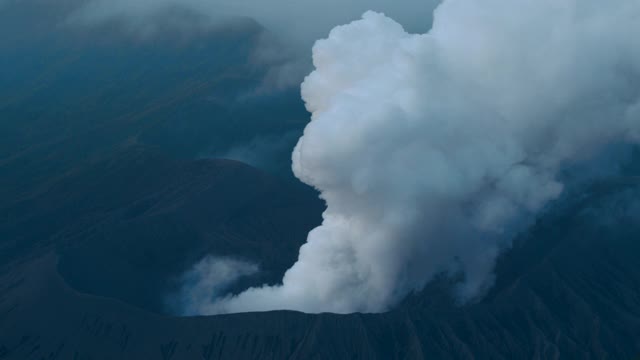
(138, 248)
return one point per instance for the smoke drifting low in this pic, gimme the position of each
(298, 23)
(431, 150)
(208, 278)
(291, 26)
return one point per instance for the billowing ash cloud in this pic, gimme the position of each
(431, 149)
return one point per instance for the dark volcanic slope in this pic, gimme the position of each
(98, 131)
(67, 93)
(125, 226)
(570, 291)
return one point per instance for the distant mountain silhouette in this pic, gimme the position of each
(68, 93)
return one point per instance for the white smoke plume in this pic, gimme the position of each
(430, 149)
